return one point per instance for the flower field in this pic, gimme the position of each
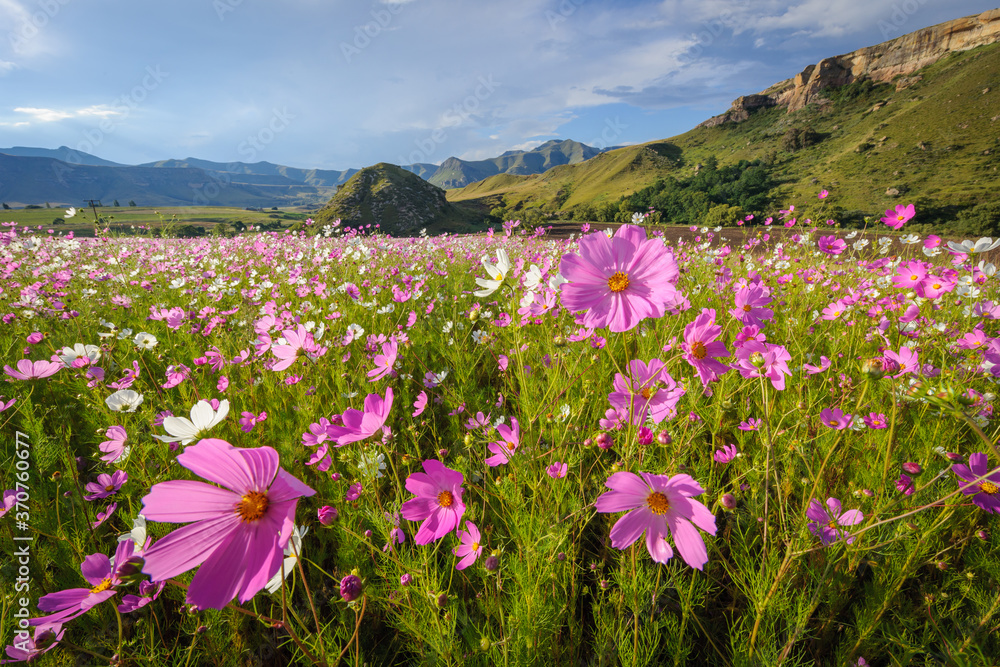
(324, 447)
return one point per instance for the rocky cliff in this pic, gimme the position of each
(883, 62)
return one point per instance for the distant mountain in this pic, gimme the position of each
(314, 177)
(63, 153)
(457, 173)
(398, 200)
(422, 169)
(35, 180)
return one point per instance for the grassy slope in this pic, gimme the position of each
(947, 110)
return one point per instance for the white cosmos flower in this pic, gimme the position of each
(910, 239)
(984, 244)
(137, 534)
(70, 354)
(203, 418)
(497, 272)
(371, 465)
(124, 400)
(70, 212)
(532, 277)
(145, 341)
(292, 551)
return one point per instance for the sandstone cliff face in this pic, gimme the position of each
(883, 62)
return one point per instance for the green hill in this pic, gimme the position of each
(930, 137)
(399, 201)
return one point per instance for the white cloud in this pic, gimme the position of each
(44, 115)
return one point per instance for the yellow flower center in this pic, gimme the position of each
(510, 446)
(109, 487)
(658, 503)
(101, 587)
(914, 278)
(648, 392)
(445, 499)
(499, 277)
(832, 524)
(618, 282)
(747, 308)
(475, 546)
(989, 487)
(252, 506)
(698, 350)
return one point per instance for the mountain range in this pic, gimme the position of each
(66, 176)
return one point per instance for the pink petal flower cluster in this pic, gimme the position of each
(828, 523)
(237, 531)
(899, 217)
(438, 503)
(648, 391)
(662, 507)
(504, 449)
(619, 281)
(702, 349)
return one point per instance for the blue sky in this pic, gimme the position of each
(335, 84)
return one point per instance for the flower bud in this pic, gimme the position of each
(664, 438)
(484, 644)
(405, 579)
(442, 599)
(327, 515)
(729, 501)
(911, 468)
(757, 360)
(350, 588)
(603, 441)
(983, 535)
(492, 563)
(873, 368)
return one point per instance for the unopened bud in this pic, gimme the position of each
(492, 563)
(350, 588)
(728, 501)
(911, 468)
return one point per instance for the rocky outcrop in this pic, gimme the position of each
(883, 63)
(740, 111)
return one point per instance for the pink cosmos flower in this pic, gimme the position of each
(557, 470)
(299, 342)
(905, 485)
(237, 533)
(104, 515)
(876, 421)
(148, 591)
(661, 506)
(764, 360)
(103, 578)
(106, 485)
(750, 424)
(29, 649)
(353, 492)
(906, 361)
(114, 446)
(701, 349)
(827, 525)
(619, 281)
(750, 305)
(420, 404)
(358, 425)
(384, 361)
(28, 370)
(824, 363)
(986, 492)
(438, 503)
(248, 420)
(642, 395)
(835, 418)
(899, 217)
(726, 454)
(503, 450)
(9, 500)
(831, 245)
(470, 548)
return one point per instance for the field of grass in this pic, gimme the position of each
(702, 449)
(126, 217)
